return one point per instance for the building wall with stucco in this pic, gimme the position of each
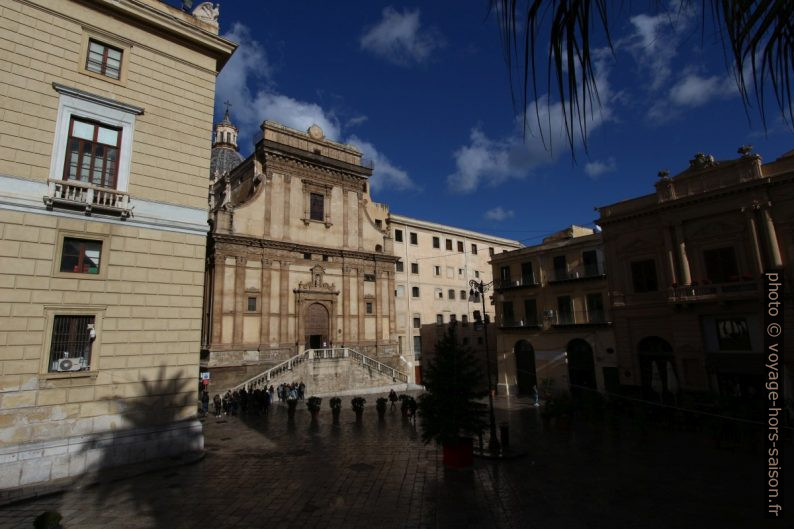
(128, 390)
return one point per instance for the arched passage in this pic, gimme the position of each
(526, 377)
(316, 327)
(581, 366)
(654, 351)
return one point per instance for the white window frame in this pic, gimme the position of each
(79, 104)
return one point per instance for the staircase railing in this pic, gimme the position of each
(263, 378)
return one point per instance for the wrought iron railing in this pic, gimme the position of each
(527, 281)
(73, 193)
(685, 292)
(579, 272)
(579, 317)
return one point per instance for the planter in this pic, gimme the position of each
(314, 414)
(359, 413)
(335, 414)
(458, 454)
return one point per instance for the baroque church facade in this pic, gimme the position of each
(298, 256)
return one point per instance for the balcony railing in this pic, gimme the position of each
(528, 281)
(579, 272)
(87, 197)
(578, 317)
(519, 324)
(709, 291)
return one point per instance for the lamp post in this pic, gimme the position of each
(480, 287)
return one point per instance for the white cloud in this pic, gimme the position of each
(492, 161)
(694, 90)
(249, 67)
(399, 38)
(499, 214)
(386, 175)
(655, 40)
(596, 168)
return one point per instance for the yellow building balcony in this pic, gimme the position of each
(73, 194)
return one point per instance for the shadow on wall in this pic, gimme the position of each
(159, 429)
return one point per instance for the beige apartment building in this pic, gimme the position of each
(300, 257)
(686, 275)
(434, 267)
(103, 164)
(552, 315)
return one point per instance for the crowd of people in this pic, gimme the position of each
(256, 402)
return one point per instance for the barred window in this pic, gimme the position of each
(103, 59)
(70, 349)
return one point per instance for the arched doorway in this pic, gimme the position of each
(316, 328)
(526, 377)
(654, 351)
(581, 366)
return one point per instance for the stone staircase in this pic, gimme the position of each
(327, 371)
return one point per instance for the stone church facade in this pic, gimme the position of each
(298, 257)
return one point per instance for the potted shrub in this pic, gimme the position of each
(291, 405)
(380, 405)
(336, 407)
(357, 403)
(313, 404)
(450, 410)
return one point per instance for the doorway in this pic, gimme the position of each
(526, 377)
(316, 333)
(581, 367)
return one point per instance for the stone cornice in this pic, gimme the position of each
(272, 148)
(661, 207)
(253, 242)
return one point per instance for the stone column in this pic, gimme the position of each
(345, 220)
(346, 271)
(683, 262)
(287, 194)
(360, 222)
(378, 305)
(361, 305)
(775, 260)
(392, 306)
(264, 305)
(283, 297)
(217, 299)
(239, 298)
(668, 251)
(754, 245)
(267, 195)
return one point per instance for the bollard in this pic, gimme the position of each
(504, 434)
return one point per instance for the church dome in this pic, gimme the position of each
(225, 155)
(224, 159)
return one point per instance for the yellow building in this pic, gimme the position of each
(552, 315)
(103, 166)
(436, 263)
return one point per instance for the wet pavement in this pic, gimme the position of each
(266, 472)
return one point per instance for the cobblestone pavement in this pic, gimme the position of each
(264, 472)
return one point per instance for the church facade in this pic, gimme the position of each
(298, 257)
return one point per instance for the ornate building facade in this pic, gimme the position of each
(299, 257)
(686, 274)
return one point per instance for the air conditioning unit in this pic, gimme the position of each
(69, 364)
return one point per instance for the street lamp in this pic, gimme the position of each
(480, 287)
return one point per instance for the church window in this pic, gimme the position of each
(317, 207)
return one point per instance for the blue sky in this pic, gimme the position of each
(422, 89)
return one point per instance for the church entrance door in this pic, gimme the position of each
(317, 320)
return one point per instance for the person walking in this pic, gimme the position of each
(393, 398)
(216, 401)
